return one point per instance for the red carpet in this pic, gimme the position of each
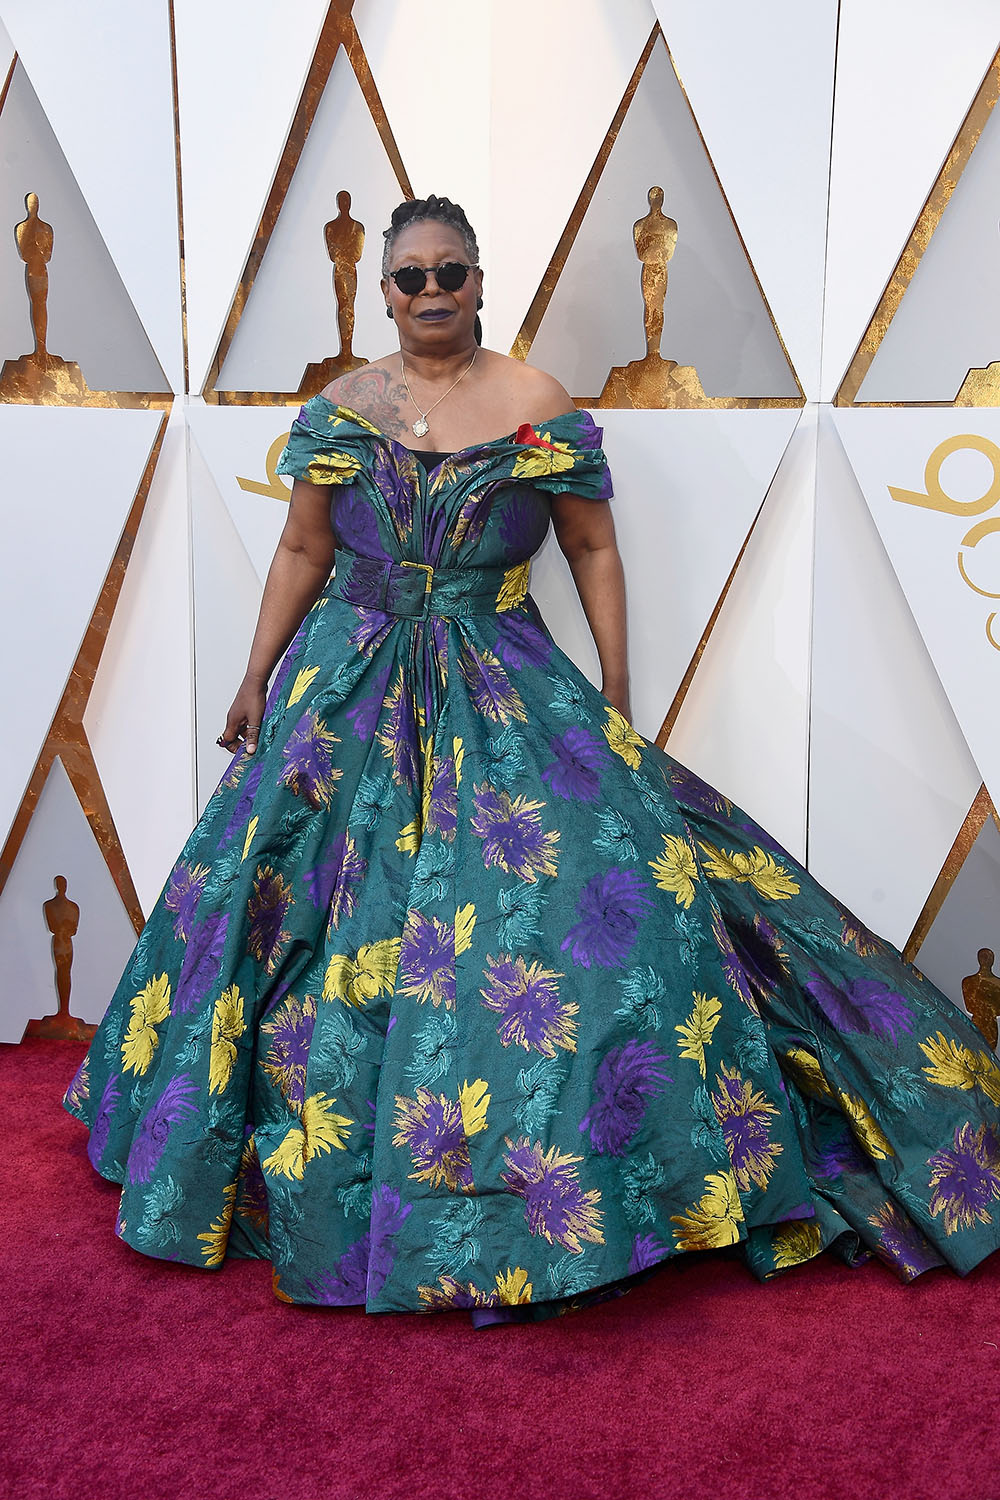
(129, 1379)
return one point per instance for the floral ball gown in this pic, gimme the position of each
(462, 994)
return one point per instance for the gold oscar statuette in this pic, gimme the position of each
(39, 377)
(345, 241)
(981, 993)
(62, 918)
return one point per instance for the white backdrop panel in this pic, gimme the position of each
(240, 69)
(115, 123)
(59, 842)
(891, 447)
(551, 105)
(431, 62)
(906, 75)
(715, 317)
(949, 318)
(98, 328)
(290, 318)
(140, 716)
(51, 571)
(745, 720)
(226, 599)
(760, 81)
(968, 920)
(891, 777)
(688, 485)
(234, 442)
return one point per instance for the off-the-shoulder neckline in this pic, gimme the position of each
(508, 437)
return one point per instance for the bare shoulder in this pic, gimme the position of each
(537, 395)
(374, 392)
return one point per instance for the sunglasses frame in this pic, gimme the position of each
(426, 271)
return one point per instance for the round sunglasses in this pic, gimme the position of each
(450, 275)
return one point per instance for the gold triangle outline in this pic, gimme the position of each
(117, 400)
(338, 31)
(979, 813)
(536, 311)
(66, 736)
(964, 144)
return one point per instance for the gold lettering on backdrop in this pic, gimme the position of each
(345, 240)
(981, 993)
(935, 497)
(654, 381)
(276, 487)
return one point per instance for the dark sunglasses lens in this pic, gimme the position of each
(451, 275)
(410, 279)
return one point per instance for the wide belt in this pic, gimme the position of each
(415, 590)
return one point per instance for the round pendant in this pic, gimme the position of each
(420, 426)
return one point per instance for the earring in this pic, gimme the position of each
(479, 303)
(388, 311)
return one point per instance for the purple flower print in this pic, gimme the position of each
(966, 1180)
(443, 803)
(427, 960)
(396, 477)
(388, 1216)
(355, 523)
(309, 771)
(187, 882)
(267, 909)
(240, 815)
(201, 961)
(289, 1025)
(520, 642)
(523, 522)
(745, 1115)
(398, 736)
(491, 690)
(101, 1128)
(347, 1283)
(333, 885)
(626, 1079)
(867, 1006)
(901, 1243)
(610, 909)
(579, 758)
(526, 997)
(691, 791)
(511, 831)
(149, 1145)
(646, 1251)
(431, 1126)
(555, 1205)
(367, 709)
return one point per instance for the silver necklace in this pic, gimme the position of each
(421, 426)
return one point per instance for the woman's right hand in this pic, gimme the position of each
(245, 717)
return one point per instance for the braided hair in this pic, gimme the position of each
(443, 211)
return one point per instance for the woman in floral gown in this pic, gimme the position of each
(462, 994)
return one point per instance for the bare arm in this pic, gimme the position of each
(298, 571)
(585, 532)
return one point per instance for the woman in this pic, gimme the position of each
(461, 993)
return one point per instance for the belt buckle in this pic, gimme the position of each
(428, 582)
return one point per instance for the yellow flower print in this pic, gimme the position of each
(216, 1236)
(808, 1074)
(676, 869)
(331, 467)
(696, 1032)
(513, 1286)
(228, 1026)
(794, 1243)
(303, 682)
(358, 980)
(409, 837)
(149, 1008)
(547, 458)
(756, 868)
(714, 1220)
(954, 1066)
(473, 1100)
(863, 1124)
(514, 587)
(319, 1130)
(248, 840)
(465, 921)
(622, 738)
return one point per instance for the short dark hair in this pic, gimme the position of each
(443, 211)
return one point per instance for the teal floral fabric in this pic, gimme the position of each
(462, 994)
